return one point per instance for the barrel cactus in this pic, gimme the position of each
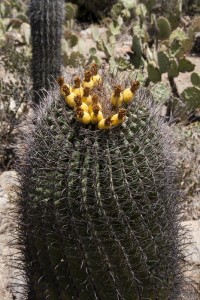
(99, 212)
(98, 202)
(46, 19)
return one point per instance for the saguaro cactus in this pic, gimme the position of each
(46, 18)
(99, 208)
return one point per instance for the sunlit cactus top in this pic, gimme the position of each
(95, 99)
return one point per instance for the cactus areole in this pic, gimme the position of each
(99, 203)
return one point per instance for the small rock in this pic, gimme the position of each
(12, 105)
(8, 181)
(193, 249)
(14, 37)
(2, 72)
(87, 33)
(3, 199)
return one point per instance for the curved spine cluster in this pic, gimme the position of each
(87, 107)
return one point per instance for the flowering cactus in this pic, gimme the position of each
(99, 205)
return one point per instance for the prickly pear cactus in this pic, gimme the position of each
(195, 79)
(154, 74)
(163, 61)
(164, 28)
(99, 208)
(191, 96)
(46, 19)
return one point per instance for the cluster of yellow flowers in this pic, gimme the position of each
(84, 99)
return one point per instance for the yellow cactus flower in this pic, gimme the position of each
(129, 93)
(119, 117)
(96, 115)
(95, 101)
(62, 87)
(105, 123)
(87, 98)
(117, 96)
(88, 82)
(91, 100)
(80, 104)
(69, 96)
(77, 88)
(83, 116)
(96, 78)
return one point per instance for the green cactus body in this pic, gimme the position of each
(173, 68)
(163, 61)
(137, 45)
(99, 209)
(185, 65)
(195, 79)
(180, 42)
(137, 58)
(154, 74)
(164, 28)
(191, 96)
(46, 18)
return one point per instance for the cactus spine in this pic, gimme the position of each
(46, 18)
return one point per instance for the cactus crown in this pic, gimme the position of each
(101, 97)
